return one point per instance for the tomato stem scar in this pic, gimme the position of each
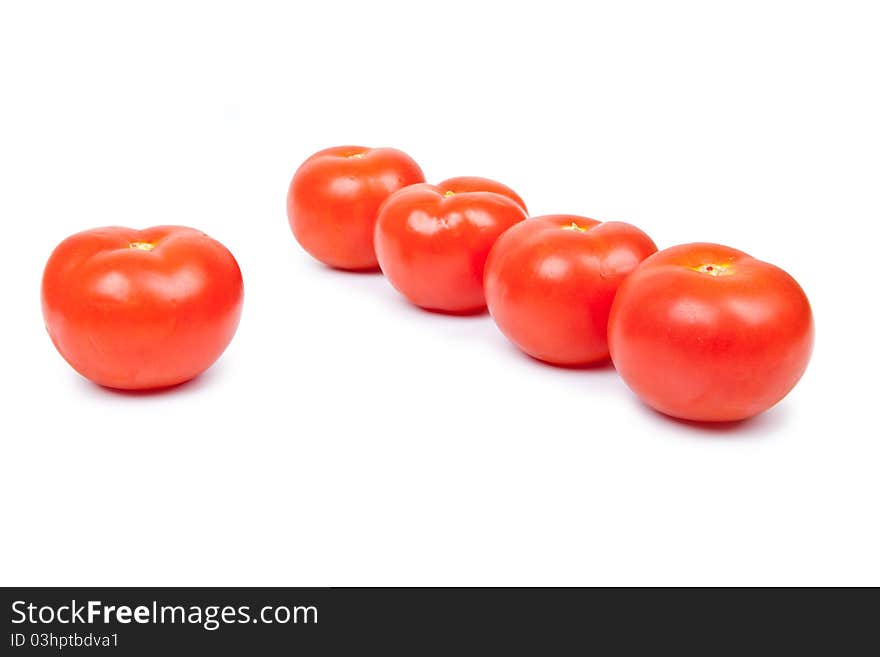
(142, 246)
(448, 193)
(714, 269)
(574, 226)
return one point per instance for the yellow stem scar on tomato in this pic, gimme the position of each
(448, 193)
(574, 226)
(715, 269)
(142, 246)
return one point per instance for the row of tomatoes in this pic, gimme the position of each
(698, 331)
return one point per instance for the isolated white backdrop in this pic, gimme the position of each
(348, 438)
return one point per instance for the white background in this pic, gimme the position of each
(348, 438)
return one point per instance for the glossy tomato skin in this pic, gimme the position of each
(140, 309)
(334, 198)
(432, 241)
(550, 282)
(461, 184)
(707, 333)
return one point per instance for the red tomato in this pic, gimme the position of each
(705, 332)
(550, 282)
(461, 184)
(139, 309)
(334, 198)
(432, 241)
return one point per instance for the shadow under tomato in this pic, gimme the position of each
(185, 387)
(598, 366)
(479, 312)
(761, 424)
(515, 352)
(399, 301)
(366, 271)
